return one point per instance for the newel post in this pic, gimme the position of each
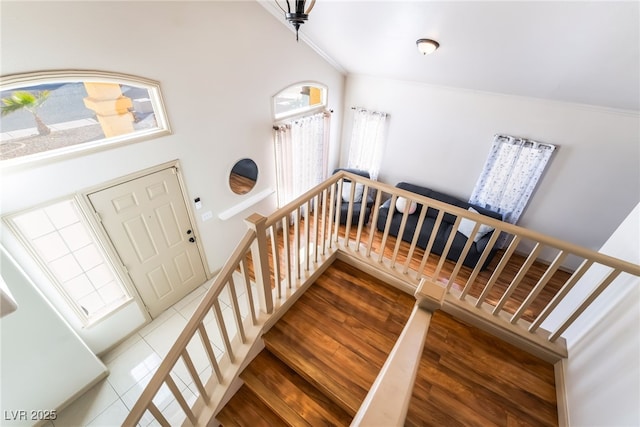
(260, 259)
(430, 294)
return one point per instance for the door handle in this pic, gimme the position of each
(188, 231)
(192, 239)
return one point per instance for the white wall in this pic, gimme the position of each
(43, 361)
(218, 64)
(440, 137)
(603, 369)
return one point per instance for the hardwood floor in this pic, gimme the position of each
(516, 261)
(336, 337)
(468, 377)
(325, 352)
(534, 274)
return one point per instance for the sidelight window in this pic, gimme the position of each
(64, 245)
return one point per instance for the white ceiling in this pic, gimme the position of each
(584, 52)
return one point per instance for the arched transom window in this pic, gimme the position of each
(298, 99)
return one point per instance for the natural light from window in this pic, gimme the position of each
(301, 138)
(65, 247)
(298, 99)
(45, 115)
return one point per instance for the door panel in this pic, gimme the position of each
(139, 238)
(148, 224)
(184, 268)
(159, 282)
(169, 225)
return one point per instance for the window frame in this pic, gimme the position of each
(130, 295)
(365, 152)
(304, 111)
(16, 81)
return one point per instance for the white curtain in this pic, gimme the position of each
(367, 141)
(510, 175)
(301, 148)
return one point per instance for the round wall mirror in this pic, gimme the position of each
(243, 176)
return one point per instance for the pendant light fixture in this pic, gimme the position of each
(427, 46)
(299, 14)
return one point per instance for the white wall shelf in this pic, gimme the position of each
(245, 204)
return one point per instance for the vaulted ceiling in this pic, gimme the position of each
(585, 52)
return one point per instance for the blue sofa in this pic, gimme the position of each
(443, 231)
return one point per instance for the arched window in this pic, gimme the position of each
(61, 113)
(298, 99)
(301, 139)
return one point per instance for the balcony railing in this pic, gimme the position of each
(282, 254)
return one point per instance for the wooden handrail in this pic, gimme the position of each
(177, 351)
(518, 233)
(388, 399)
(282, 261)
(547, 240)
(301, 200)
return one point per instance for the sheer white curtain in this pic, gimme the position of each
(510, 175)
(367, 141)
(301, 148)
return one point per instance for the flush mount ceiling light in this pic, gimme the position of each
(427, 46)
(299, 14)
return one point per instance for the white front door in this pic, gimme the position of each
(147, 221)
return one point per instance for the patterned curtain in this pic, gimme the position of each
(301, 148)
(367, 141)
(510, 175)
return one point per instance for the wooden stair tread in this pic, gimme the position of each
(342, 391)
(462, 378)
(338, 334)
(324, 354)
(245, 409)
(289, 395)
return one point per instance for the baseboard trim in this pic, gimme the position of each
(376, 271)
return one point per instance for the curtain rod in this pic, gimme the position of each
(291, 119)
(525, 141)
(370, 111)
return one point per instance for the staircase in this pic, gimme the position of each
(275, 394)
(519, 298)
(323, 355)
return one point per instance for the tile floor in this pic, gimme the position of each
(132, 364)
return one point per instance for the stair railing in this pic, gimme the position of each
(467, 292)
(277, 257)
(196, 337)
(514, 301)
(300, 236)
(283, 253)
